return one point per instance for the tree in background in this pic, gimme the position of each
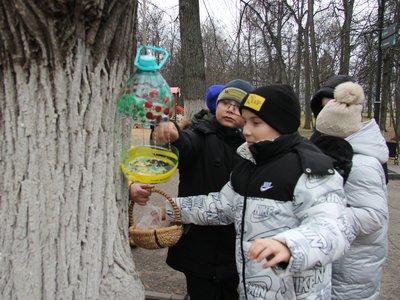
(390, 56)
(64, 200)
(216, 53)
(308, 64)
(193, 73)
(345, 41)
(161, 29)
(273, 38)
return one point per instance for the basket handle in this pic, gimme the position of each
(177, 211)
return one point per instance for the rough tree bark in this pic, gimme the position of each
(63, 208)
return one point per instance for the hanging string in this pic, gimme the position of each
(169, 140)
(144, 43)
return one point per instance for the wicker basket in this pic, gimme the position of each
(156, 238)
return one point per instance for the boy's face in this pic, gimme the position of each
(255, 129)
(228, 115)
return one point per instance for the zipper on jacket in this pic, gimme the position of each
(241, 246)
(242, 231)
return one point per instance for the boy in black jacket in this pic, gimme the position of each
(206, 254)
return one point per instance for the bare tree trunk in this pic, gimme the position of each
(307, 71)
(396, 122)
(63, 208)
(237, 69)
(299, 60)
(194, 79)
(283, 76)
(345, 37)
(370, 96)
(298, 16)
(313, 46)
(386, 88)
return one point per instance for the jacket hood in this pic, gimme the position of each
(327, 90)
(369, 141)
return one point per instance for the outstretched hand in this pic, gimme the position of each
(273, 251)
(164, 133)
(139, 193)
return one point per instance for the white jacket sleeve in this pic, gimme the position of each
(319, 239)
(211, 209)
(367, 199)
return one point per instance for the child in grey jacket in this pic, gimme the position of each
(285, 199)
(357, 275)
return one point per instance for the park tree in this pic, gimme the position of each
(217, 53)
(308, 64)
(272, 16)
(63, 208)
(193, 79)
(160, 28)
(345, 39)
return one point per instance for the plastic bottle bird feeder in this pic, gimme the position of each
(146, 99)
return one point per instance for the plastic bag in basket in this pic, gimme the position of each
(152, 218)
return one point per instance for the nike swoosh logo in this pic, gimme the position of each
(266, 186)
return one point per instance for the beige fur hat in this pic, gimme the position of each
(341, 116)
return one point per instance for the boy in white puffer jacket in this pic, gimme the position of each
(357, 275)
(285, 200)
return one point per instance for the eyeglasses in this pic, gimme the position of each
(227, 104)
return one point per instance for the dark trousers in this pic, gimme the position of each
(200, 288)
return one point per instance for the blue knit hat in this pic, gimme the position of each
(212, 95)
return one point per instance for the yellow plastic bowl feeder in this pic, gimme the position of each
(149, 164)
